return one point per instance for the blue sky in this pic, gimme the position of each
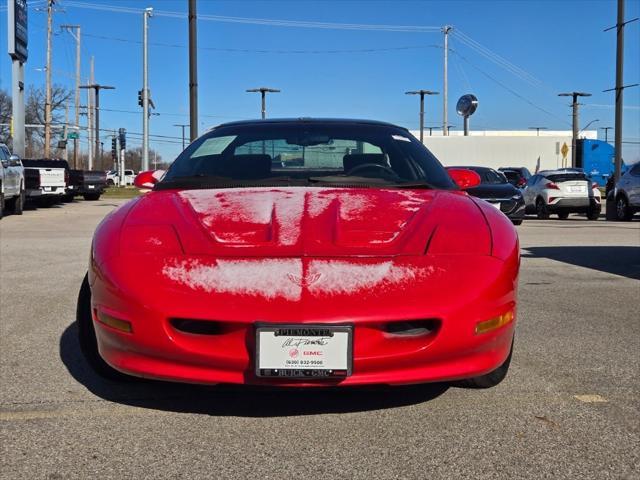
(558, 45)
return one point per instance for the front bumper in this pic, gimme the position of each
(457, 291)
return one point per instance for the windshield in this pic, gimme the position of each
(299, 153)
(567, 177)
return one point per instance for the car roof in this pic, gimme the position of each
(309, 121)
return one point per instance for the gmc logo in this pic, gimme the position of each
(315, 353)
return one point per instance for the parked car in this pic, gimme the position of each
(495, 189)
(113, 179)
(562, 191)
(367, 264)
(12, 193)
(626, 193)
(514, 177)
(88, 183)
(523, 171)
(45, 180)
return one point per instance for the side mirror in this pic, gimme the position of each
(14, 161)
(146, 180)
(464, 177)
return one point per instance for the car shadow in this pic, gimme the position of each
(241, 401)
(619, 260)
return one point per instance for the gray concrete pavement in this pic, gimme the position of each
(568, 409)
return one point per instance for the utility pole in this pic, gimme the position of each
(422, 93)
(537, 129)
(619, 26)
(445, 91)
(65, 132)
(193, 71)
(606, 133)
(76, 36)
(263, 93)
(575, 123)
(183, 126)
(96, 89)
(148, 12)
(47, 104)
(90, 115)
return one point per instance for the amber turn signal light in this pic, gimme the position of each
(494, 323)
(113, 322)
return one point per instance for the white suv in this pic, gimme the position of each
(562, 192)
(627, 193)
(11, 182)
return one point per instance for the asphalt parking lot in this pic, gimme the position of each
(569, 408)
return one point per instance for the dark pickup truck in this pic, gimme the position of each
(88, 183)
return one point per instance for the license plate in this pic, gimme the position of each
(497, 205)
(91, 186)
(303, 351)
(577, 189)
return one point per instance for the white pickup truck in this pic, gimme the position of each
(46, 181)
(11, 182)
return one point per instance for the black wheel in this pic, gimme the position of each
(541, 209)
(517, 221)
(87, 336)
(91, 196)
(623, 212)
(491, 379)
(563, 215)
(16, 205)
(110, 182)
(67, 198)
(594, 212)
(1, 204)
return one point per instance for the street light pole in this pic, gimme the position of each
(422, 93)
(148, 12)
(183, 126)
(445, 89)
(576, 129)
(537, 129)
(263, 93)
(70, 29)
(606, 132)
(96, 88)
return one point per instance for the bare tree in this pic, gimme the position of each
(5, 117)
(34, 114)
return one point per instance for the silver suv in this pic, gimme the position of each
(11, 182)
(627, 193)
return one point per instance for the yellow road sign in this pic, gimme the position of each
(564, 150)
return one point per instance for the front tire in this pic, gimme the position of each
(541, 210)
(87, 336)
(1, 204)
(91, 196)
(491, 379)
(517, 222)
(623, 212)
(563, 215)
(594, 212)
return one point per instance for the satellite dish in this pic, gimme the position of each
(467, 105)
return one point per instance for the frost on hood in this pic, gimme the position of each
(285, 278)
(341, 277)
(265, 278)
(249, 207)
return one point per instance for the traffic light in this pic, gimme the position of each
(140, 99)
(114, 147)
(122, 134)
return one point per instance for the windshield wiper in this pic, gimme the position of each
(421, 184)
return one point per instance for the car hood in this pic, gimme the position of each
(300, 221)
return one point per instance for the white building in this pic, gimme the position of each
(507, 148)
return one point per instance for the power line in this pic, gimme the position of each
(510, 90)
(261, 21)
(271, 51)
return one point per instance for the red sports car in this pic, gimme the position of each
(303, 253)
